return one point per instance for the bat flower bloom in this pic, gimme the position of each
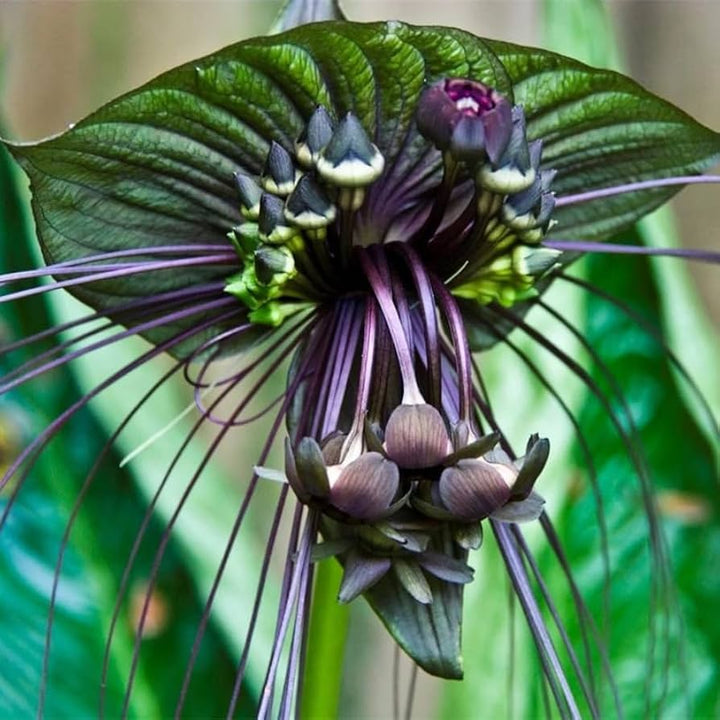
(353, 212)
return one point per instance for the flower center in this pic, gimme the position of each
(478, 230)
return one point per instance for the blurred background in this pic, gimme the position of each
(61, 59)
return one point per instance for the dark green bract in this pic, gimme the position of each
(156, 165)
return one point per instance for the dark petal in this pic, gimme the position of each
(469, 536)
(311, 469)
(412, 579)
(416, 437)
(520, 511)
(498, 128)
(518, 153)
(372, 436)
(292, 474)
(332, 448)
(472, 489)
(330, 548)
(411, 541)
(436, 115)
(473, 450)
(533, 464)
(468, 138)
(366, 487)
(523, 202)
(446, 568)
(361, 573)
(431, 510)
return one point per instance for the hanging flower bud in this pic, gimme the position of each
(416, 437)
(362, 489)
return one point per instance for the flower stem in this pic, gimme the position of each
(329, 620)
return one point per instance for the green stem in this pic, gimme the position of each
(326, 645)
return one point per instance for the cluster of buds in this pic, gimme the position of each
(391, 500)
(293, 214)
(477, 128)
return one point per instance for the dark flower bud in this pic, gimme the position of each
(536, 457)
(310, 478)
(513, 171)
(365, 488)
(362, 489)
(273, 265)
(314, 137)
(250, 194)
(469, 119)
(308, 206)
(350, 160)
(531, 208)
(416, 437)
(278, 176)
(473, 489)
(271, 221)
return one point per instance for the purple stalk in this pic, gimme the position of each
(462, 350)
(427, 305)
(521, 583)
(632, 187)
(123, 270)
(76, 265)
(599, 247)
(383, 294)
(137, 330)
(117, 311)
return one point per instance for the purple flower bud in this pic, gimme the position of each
(465, 117)
(416, 437)
(473, 489)
(366, 487)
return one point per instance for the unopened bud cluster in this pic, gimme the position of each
(481, 133)
(289, 244)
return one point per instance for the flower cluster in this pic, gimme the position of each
(408, 483)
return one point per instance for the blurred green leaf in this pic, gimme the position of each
(103, 533)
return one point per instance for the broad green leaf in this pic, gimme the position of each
(155, 166)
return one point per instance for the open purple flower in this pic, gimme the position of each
(379, 226)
